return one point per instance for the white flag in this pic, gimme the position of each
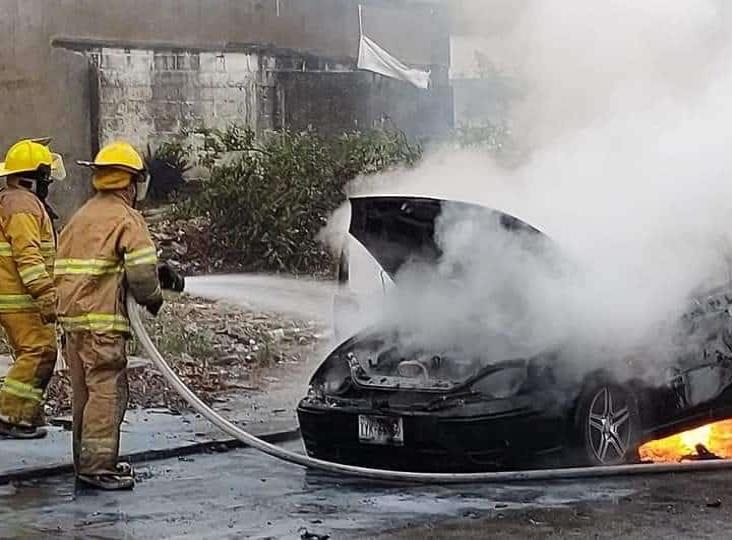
(371, 57)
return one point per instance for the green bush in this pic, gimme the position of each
(266, 200)
(374, 151)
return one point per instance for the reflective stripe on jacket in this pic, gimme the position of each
(27, 250)
(103, 251)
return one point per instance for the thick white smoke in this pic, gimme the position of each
(628, 118)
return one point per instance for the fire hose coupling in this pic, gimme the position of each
(396, 476)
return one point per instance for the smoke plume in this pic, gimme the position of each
(627, 119)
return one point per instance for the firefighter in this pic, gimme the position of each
(27, 291)
(105, 251)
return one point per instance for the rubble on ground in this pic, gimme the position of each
(183, 243)
(216, 349)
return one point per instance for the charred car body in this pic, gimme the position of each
(370, 404)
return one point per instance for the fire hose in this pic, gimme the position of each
(396, 476)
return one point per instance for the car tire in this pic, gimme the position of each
(606, 427)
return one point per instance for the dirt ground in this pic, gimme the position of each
(664, 507)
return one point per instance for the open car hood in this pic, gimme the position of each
(396, 230)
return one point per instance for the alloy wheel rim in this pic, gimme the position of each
(609, 425)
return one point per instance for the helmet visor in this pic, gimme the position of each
(142, 186)
(58, 171)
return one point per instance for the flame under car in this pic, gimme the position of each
(375, 403)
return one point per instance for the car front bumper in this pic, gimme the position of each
(480, 437)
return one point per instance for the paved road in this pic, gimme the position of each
(688, 506)
(243, 494)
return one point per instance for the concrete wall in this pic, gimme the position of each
(146, 95)
(338, 102)
(45, 82)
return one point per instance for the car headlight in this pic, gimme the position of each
(502, 383)
(315, 393)
(332, 378)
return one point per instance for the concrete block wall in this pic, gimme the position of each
(145, 96)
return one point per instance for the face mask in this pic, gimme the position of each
(39, 187)
(41, 190)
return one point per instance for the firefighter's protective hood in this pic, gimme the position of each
(116, 166)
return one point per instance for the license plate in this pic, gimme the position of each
(381, 430)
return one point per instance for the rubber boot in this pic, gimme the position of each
(122, 480)
(11, 431)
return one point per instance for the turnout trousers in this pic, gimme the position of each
(98, 365)
(34, 347)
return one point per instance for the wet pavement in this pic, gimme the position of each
(146, 432)
(243, 494)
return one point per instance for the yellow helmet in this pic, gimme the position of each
(26, 156)
(120, 155)
(117, 165)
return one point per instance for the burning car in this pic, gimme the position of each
(373, 403)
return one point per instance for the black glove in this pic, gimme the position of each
(154, 307)
(170, 279)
